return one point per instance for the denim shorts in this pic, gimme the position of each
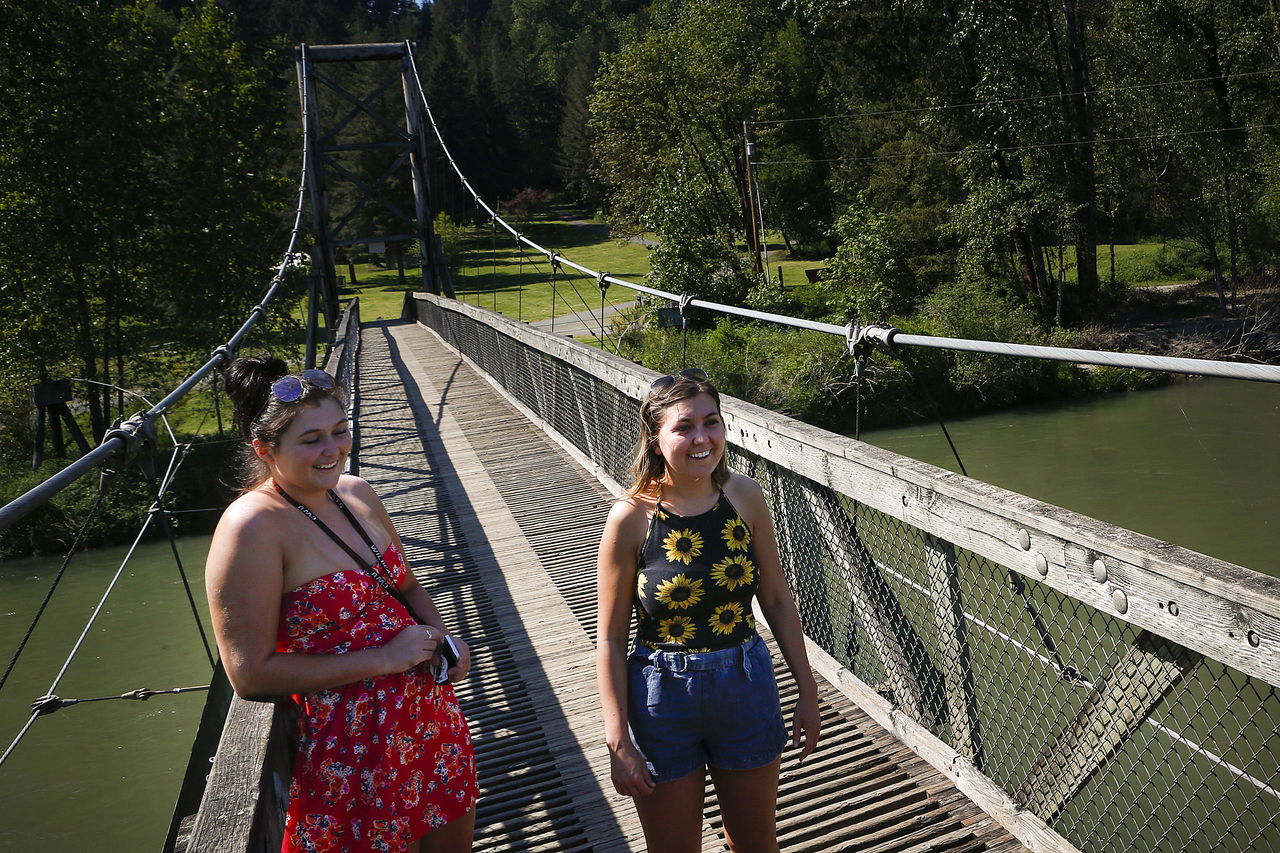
(690, 710)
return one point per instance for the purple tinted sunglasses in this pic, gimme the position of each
(288, 389)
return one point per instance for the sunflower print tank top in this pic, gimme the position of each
(697, 576)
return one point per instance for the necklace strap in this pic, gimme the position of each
(383, 577)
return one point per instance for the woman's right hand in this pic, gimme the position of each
(413, 645)
(630, 774)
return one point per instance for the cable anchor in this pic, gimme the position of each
(137, 434)
(49, 703)
(602, 282)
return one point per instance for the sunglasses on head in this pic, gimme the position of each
(662, 383)
(288, 389)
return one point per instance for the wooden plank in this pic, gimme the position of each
(1224, 611)
(242, 806)
(1145, 674)
(528, 602)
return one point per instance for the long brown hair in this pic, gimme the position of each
(648, 466)
(260, 415)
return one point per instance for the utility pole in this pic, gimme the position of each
(753, 226)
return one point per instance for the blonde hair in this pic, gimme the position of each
(647, 465)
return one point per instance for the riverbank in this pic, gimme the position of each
(1188, 320)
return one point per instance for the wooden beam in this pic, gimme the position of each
(1145, 674)
(910, 672)
(953, 649)
(357, 52)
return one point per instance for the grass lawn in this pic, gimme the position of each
(514, 282)
(1137, 265)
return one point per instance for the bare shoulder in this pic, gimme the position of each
(746, 495)
(742, 487)
(629, 518)
(252, 524)
(349, 484)
(253, 513)
(630, 510)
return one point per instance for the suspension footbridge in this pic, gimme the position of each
(996, 673)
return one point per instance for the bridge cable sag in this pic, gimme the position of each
(124, 441)
(40, 705)
(889, 336)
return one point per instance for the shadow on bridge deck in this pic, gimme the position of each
(501, 527)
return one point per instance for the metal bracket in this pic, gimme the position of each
(138, 435)
(685, 299)
(601, 281)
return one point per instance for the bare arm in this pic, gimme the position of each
(779, 609)
(244, 580)
(615, 580)
(418, 598)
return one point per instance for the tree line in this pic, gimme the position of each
(955, 165)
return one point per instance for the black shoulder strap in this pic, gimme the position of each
(383, 577)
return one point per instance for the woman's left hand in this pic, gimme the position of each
(806, 725)
(459, 671)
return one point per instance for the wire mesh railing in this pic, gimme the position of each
(1090, 687)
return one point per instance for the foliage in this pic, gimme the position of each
(53, 527)
(689, 258)
(133, 211)
(867, 278)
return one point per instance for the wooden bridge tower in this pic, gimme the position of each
(350, 162)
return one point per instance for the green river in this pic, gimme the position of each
(102, 775)
(1196, 463)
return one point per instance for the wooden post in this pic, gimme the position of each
(322, 259)
(753, 232)
(418, 171)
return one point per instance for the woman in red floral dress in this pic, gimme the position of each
(311, 598)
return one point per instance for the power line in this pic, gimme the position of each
(1029, 147)
(1020, 100)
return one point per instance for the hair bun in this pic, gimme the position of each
(248, 382)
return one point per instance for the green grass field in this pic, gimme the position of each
(495, 275)
(1142, 264)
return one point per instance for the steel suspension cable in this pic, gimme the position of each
(40, 706)
(886, 335)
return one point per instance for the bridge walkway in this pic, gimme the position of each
(501, 527)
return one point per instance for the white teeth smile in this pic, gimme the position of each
(325, 467)
(703, 455)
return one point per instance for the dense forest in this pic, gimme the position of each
(957, 168)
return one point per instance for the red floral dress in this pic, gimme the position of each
(381, 761)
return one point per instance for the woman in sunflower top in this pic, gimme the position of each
(688, 547)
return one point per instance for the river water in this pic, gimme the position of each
(1193, 463)
(101, 775)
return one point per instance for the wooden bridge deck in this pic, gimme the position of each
(501, 526)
